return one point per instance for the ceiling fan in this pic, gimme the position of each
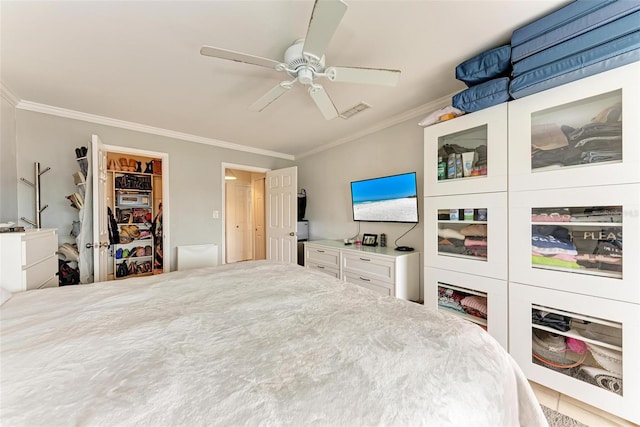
(304, 61)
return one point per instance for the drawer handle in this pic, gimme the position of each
(320, 266)
(365, 259)
(319, 250)
(366, 280)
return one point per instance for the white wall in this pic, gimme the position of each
(326, 176)
(8, 178)
(194, 179)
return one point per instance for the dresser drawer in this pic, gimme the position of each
(369, 267)
(38, 246)
(39, 274)
(382, 288)
(323, 256)
(331, 271)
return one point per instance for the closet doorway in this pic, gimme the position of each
(244, 213)
(135, 198)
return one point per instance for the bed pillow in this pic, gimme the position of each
(482, 96)
(5, 295)
(485, 66)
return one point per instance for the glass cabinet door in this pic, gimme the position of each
(572, 239)
(467, 233)
(466, 303)
(577, 239)
(581, 134)
(463, 233)
(467, 154)
(583, 346)
(477, 299)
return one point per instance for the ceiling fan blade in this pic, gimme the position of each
(369, 76)
(324, 103)
(266, 99)
(325, 18)
(216, 52)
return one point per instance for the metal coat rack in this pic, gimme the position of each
(36, 186)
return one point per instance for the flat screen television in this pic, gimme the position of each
(386, 199)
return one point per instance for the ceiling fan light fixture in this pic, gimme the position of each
(305, 76)
(304, 62)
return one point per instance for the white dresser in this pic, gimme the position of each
(28, 260)
(384, 270)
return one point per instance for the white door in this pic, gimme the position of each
(99, 205)
(238, 208)
(282, 215)
(260, 247)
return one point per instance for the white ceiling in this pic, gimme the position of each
(139, 62)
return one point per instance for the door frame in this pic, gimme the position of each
(223, 216)
(166, 211)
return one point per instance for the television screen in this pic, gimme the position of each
(386, 199)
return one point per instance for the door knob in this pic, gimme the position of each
(292, 234)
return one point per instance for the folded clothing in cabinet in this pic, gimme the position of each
(597, 141)
(553, 248)
(484, 95)
(552, 320)
(616, 53)
(461, 302)
(475, 305)
(565, 23)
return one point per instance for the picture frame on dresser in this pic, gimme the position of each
(370, 239)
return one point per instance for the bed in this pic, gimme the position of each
(251, 343)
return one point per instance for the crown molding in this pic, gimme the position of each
(93, 118)
(400, 118)
(7, 94)
(107, 121)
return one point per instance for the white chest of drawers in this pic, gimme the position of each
(383, 270)
(28, 260)
(322, 258)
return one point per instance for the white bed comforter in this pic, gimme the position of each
(253, 343)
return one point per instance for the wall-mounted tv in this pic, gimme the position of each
(386, 199)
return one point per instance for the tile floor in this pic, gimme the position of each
(576, 409)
